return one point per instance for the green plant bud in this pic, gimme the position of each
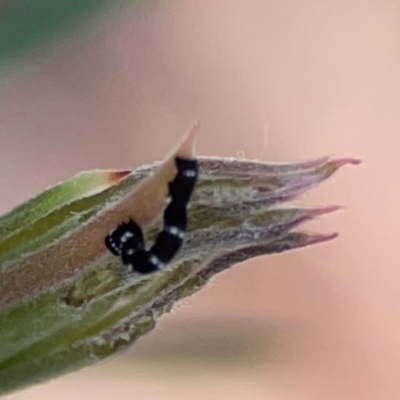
(67, 302)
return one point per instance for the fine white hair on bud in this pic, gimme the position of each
(67, 302)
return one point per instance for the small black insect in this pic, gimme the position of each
(127, 239)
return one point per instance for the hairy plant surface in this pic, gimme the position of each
(66, 302)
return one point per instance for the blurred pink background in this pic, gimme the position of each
(270, 80)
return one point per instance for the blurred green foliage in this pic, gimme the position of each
(26, 25)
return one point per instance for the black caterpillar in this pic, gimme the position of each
(127, 239)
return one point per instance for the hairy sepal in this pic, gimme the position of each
(66, 302)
